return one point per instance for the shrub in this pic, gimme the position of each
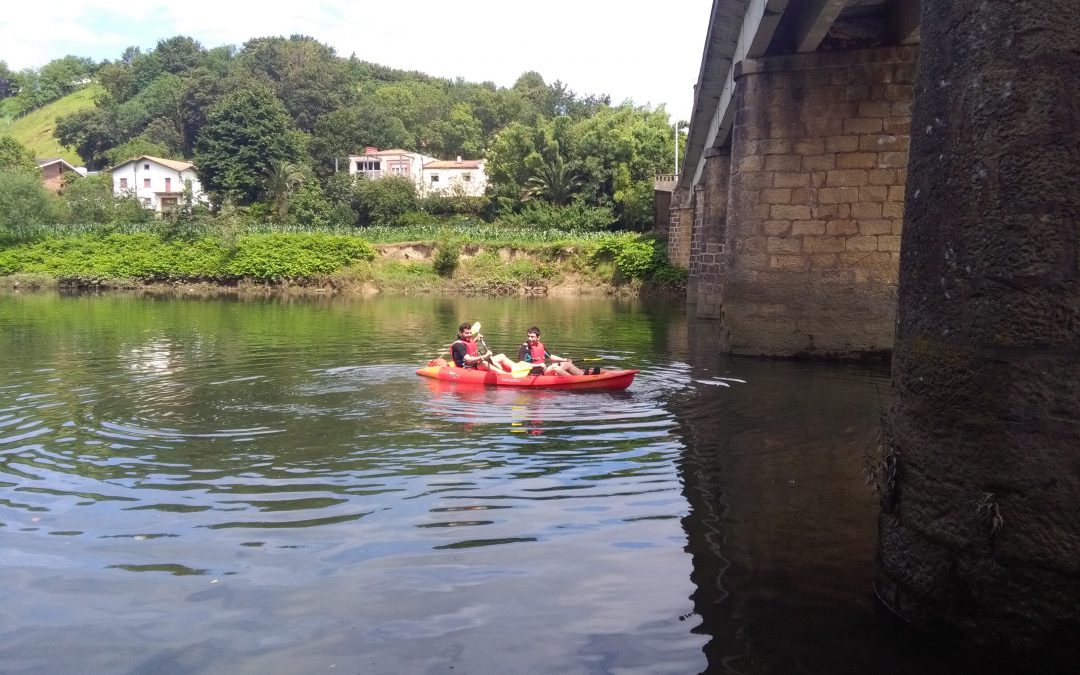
(24, 205)
(385, 200)
(273, 257)
(639, 257)
(575, 216)
(447, 255)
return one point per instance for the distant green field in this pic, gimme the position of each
(35, 131)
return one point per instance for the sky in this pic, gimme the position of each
(646, 52)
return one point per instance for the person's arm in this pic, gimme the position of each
(523, 353)
(556, 359)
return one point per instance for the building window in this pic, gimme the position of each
(146, 201)
(434, 178)
(123, 183)
(168, 185)
(146, 182)
(466, 177)
(146, 166)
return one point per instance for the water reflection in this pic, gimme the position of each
(226, 486)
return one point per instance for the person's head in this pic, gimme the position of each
(533, 334)
(465, 330)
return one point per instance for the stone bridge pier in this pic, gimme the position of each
(980, 529)
(809, 231)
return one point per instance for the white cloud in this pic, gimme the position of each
(642, 51)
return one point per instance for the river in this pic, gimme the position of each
(265, 486)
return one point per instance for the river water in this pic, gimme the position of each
(265, 486)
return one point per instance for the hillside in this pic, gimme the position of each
(35, 131)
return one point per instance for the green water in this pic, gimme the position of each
(253, 486)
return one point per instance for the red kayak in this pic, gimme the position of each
(605, 379)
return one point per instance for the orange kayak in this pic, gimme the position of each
(605, 379)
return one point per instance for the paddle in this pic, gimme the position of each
(475, 329)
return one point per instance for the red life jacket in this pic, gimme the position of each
(471, 348)
(535, 353)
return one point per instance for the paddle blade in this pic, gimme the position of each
(475, 329)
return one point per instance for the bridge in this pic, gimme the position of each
(789, 206)
(867, 177)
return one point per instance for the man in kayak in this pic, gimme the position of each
(467, 354)
(533, 351)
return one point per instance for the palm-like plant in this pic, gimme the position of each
(554, 181)
(282, 178)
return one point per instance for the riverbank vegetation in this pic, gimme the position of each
(270, 124)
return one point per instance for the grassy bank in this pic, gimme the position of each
(476, 260)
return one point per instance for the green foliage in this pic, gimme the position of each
(265, 257)
(279, 256)
(574, 216)
(447, 255)
(15, 158)
(383, 201)
(553, 180)
(90, 199)
(245, 133)
(115, 256)
(24, 204)
(487, 273)
(135, 147)
(638, 257)
(451, 202)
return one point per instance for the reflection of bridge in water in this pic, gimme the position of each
(815, 148)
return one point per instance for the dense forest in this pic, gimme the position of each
(267, 125)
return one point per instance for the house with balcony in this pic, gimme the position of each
(158, 183)
(430, 175)
(375, 163)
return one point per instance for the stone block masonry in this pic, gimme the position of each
(803, 258)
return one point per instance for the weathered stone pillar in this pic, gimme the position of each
(680, 230)
(709, 243)
(818, 165)
(980, 531)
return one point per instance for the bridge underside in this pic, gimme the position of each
(792, 236)
(789, 210)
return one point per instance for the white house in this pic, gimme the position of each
(375, 163)
(456, 176)
(431, 175)
(158, 183)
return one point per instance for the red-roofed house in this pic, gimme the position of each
(461, 176)
(157, 182)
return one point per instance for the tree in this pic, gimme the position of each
(459, 134)
(305, 74)
(383, 200)
(282, 178)
(349, 130)
(179, 54)
(16, 158)
(24, 204)
(90, 199)
(553, 180)
(91, 132)
(245, 132)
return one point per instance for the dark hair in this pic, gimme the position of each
(534, 329)
(464, 326)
